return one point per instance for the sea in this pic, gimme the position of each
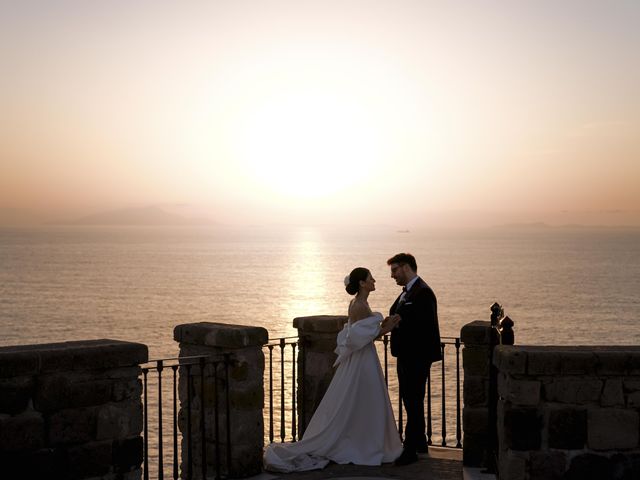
(560, 286)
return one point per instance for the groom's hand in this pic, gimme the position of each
(390, 323)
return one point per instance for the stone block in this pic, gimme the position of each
(69, 390)
(239, 371)
(474, 451)
(522, 428)
(631, 384)
(135, 474)
(221, 335)
(15, 393)
(612, 429)
(319, 324)
(510, 359)
(245, 425)
(246, 460)
(475, 420)
(543, 362)
(322, 343)
(573, 390)
(589, 467)
(72, 426)
(612, 394)
(625, 466)
(46, 463)
(634, 363)
(612, 362)
(521, 392)
(633, 400)
(547, 465)
(475, 391)
(578, 362)
(127, 454)
(475, 361)
(92, 355)
(126, 390)
(247, 399)
(513, 465)
(22, 432)
(90, 459)
(477, 332)
(567, 428)
(119, 420)
(120, 373)
(18, 361)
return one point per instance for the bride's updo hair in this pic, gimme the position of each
(352, 281)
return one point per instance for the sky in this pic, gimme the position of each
(348, 112)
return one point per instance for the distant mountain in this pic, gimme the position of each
(138, 216)
(531, 225)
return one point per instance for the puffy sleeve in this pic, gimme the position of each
(355, 336)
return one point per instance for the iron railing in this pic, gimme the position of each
(188, 368)
(282, 394)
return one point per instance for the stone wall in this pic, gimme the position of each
(246, 396)
(568, 412)
(476, 338)
(71, 410)
(317, 336)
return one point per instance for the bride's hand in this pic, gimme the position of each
(389, 323)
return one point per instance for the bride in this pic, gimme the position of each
(354, 422)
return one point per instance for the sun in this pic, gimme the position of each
(308, 144)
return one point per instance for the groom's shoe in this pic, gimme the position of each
(406, 457)
(422, 449)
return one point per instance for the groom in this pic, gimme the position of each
(415, 343)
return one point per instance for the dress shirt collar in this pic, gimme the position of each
(411, 282)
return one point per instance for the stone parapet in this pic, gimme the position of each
(220, 335)
(476, 337)
(317, 336)
(568, 412)
(242, 345)
(71, 410)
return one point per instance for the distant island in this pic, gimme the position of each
(148, 216)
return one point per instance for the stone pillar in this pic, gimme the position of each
(71, 410)
(476, 337)
(317, 336)
(245, 390)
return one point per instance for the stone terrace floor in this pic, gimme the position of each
(438, 464)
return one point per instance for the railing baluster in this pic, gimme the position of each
(175, 422)
(216, 419)
(189, 429)
(429, 422)
(458, 422)
(145, 371)
(302, 400)
(293, 391)
(227, 406)
(271, 393)
(202, 423)
(385, 342)
(444, 402)
(400, 413)
(282, 412)
(159, 367)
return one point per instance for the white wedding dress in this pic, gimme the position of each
(354, 422)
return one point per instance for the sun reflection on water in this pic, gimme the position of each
(308, 278)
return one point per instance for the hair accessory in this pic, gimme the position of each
(347, 280)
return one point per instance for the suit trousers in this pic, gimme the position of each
(412, 379)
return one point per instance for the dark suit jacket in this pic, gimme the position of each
(417, 337)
